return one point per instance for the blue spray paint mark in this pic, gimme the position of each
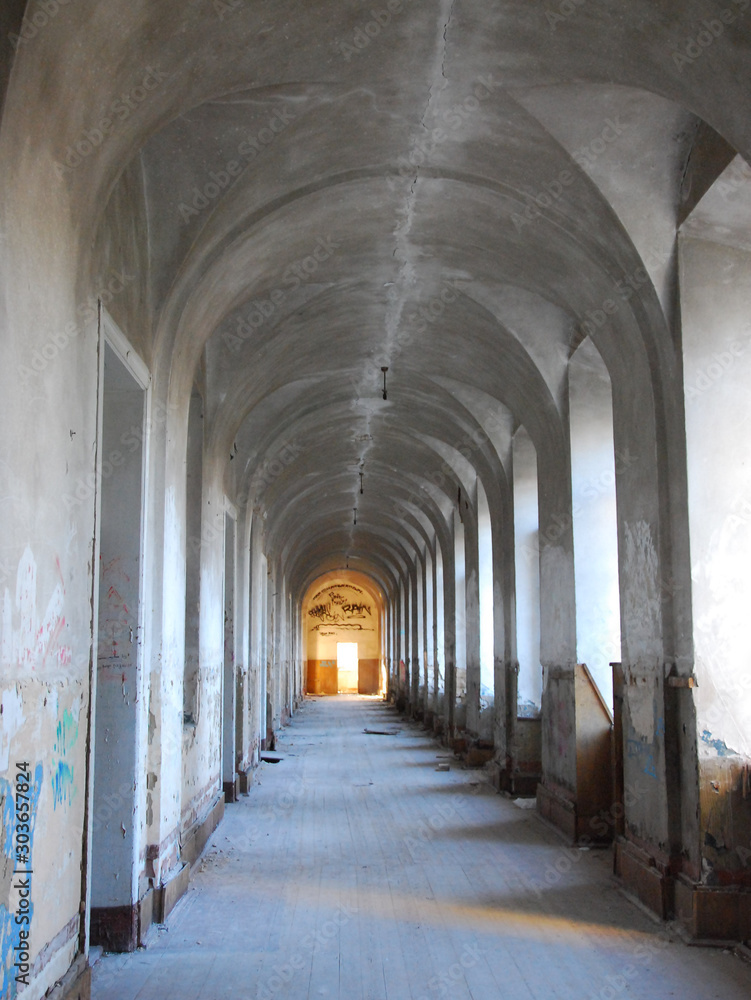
(63, 787)
(62, 784)
(9, 929)
(637, 749)
(723, 750)
(67, 733)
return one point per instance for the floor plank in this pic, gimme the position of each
(354, 870)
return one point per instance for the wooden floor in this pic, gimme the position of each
(354, 870)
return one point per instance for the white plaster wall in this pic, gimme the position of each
(420, 652)
(593, 474)
(527, 563)
(716, 306)
(47, 485)
(429, 630)
(485, 552)
(440, 654)
(460, 585)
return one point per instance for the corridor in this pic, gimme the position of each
(354, 869)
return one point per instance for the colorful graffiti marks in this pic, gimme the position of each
(10, 929)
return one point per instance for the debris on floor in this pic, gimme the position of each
(382, 732)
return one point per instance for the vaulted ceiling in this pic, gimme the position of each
(449, 190)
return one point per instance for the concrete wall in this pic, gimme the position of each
(716, 303)
(521, 253)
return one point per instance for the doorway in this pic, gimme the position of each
(118, 773)
(347, 665)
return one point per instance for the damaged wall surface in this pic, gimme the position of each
(454, 299)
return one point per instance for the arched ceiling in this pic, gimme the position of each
(452, 192)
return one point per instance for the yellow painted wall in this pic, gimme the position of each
(342, 606)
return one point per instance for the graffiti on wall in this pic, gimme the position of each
(63, 787)
(341, 606)
(10, 928)
(28, 642)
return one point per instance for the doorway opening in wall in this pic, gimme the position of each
(119, 773)
(347, 667)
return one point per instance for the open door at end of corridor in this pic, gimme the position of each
(347, 667)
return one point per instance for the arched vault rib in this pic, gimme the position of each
(430, 409)
(593, 46)
(487, 356)
(548, 259)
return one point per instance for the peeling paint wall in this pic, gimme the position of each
(716, 305)
(42, 723)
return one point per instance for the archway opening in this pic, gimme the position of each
(341, 614)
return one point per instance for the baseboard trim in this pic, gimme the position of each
(167, 895)
(232, 790)
(556, 809)
(644, 877)
(195, 839)
(564, 812)
(715, 915)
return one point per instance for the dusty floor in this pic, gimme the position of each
(355, 870)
